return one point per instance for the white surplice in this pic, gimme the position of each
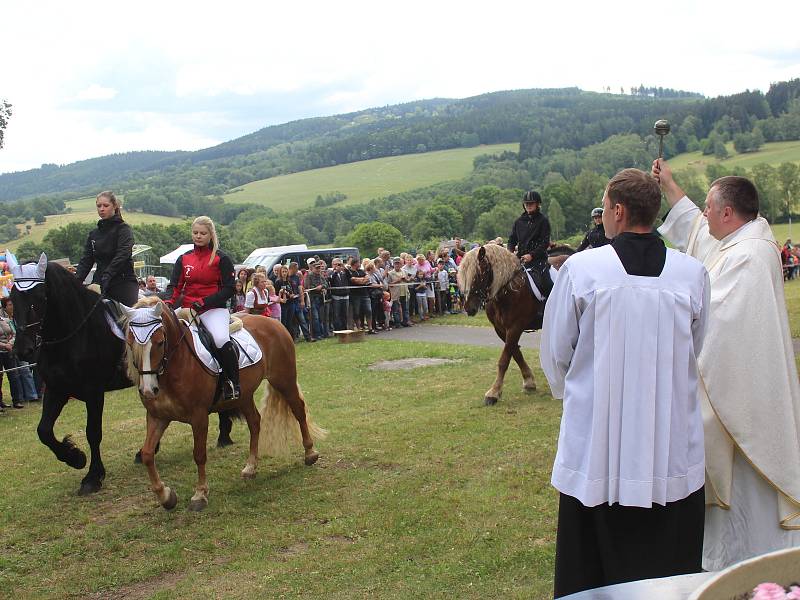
(620, 350)
(749, 391)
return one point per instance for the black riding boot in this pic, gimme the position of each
(230, 369)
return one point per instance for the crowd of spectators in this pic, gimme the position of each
(21, 381)
(372, 294)
(790, 256)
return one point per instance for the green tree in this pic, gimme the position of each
(39, 219)
(769, 195)
(720, 151)
(5, 115)
(368, 237)
(68, 241)
(789, 182)
(496, 223)
(556, 217)
(268, 231)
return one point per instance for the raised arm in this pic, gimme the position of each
(663, 173)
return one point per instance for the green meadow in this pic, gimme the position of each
(420, 491)
(364, 180)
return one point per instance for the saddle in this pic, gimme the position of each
(188, 316)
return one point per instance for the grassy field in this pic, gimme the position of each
(421, 491)
(773, 153)
(83, 210)
(363, 180)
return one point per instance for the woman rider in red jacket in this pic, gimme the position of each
(203, 279)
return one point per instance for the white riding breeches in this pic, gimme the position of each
(217, 321)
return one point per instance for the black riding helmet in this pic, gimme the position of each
(531, 197)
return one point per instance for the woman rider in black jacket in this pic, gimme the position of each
(110, 246)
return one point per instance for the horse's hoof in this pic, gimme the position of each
(172, 501)
(198, 505)
(76, 459)
(311, 458)
(137, 460)
(221, 443)
(90, 487)
(490, 400)
(249, 472)
(529, 389)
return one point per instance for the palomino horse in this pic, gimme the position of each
(61, 325)
(491, 275)
(175, 386)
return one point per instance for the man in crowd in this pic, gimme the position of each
(597, 236)
(340, 283)
(749, 393)
(530, 238)
(396, 278)
(359, 296)
(151, 287)
(316, 285)
(621, 333)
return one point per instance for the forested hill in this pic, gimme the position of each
(540, 119)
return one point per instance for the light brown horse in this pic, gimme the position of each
(491, 275)
(175, 386)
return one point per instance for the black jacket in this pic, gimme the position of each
(530, 235)
(110, 246)
(595, 238)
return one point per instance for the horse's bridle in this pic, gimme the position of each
(167, 354)
(483, 282)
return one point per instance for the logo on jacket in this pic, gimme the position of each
(188, 270)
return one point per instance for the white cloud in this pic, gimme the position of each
(203, 72)
(96, 92)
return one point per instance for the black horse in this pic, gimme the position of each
(62, 326)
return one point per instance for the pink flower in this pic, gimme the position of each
(769, 591)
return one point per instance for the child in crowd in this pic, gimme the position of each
(236, 303)
(421, 290)
(387, 310)
(443, 291)
(275, 301)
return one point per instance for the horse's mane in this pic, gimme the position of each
(133, 352)
(505, 264)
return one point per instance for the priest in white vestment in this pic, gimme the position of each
(749, 387)
(621, 331)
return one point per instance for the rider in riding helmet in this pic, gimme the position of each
(110, 245)
(203, 279)
(530, 238)
(597, 236)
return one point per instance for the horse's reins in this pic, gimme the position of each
(162, 365)
(39, 340)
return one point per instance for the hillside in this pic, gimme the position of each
(540, 120)
(83, 212)
(363, 180)
(772, 153)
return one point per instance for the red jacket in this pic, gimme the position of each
(196, 280)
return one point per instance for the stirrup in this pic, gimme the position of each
(230, 391)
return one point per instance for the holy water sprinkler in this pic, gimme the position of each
(661, 128)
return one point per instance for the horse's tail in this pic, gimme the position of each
(280, 431)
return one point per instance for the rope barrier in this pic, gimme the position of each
(17, 368)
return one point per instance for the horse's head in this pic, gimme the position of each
(29, 297)
(146, 341)
(477, 279)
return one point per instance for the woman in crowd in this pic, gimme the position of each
(284, 289)
(257, 299)
(20, 379)
(203, 280)
(377, 285)
(236, 303)
(243, 277)
(110, 246)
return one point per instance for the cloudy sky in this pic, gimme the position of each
(92, 78)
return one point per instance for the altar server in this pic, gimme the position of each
(749, 389)
(622, 329)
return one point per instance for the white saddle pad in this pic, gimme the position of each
(114, 327)
(536, 292)
(249, 350)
